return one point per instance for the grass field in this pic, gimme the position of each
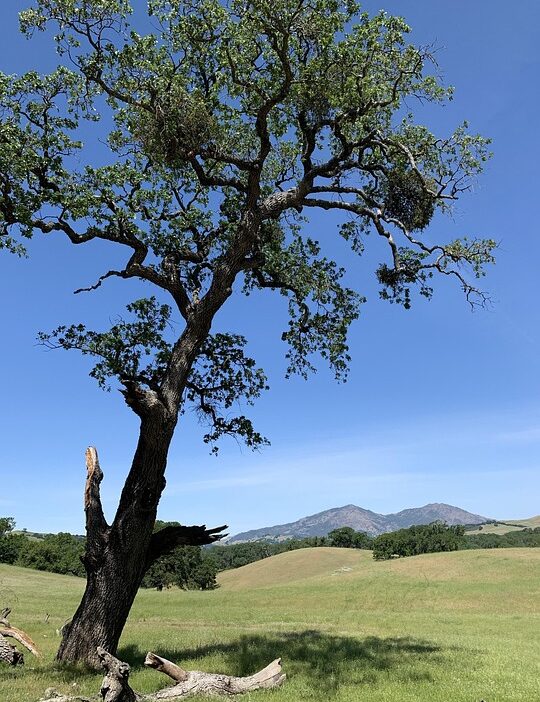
(506, 527)
(454, 627)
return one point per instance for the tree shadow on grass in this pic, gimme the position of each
(327, 661)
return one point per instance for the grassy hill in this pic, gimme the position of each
(459, 626)
(507, 526)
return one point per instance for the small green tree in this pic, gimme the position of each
(7, 524)
(347, 537)
(232, 123)
(10, 544)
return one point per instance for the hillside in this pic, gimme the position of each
(294, 566)
(321, 566)
(508, 525)
(360, 519)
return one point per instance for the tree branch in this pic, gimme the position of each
(96, 525)
(167, 539)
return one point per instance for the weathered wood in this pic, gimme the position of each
(200, 683)
(51, 695)
(116, 688)
(21, 637)
(211, 684)
(9, 653)
(164, 666)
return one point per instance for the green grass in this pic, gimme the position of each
(454, 627)
(508, 526)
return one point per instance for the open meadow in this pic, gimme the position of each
(448, 627)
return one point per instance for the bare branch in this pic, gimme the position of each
(167, 539)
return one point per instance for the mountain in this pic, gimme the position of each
(361, 520)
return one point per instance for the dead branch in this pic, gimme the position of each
(164, 666)
(9, 653)
(116, 688)
(21, 637)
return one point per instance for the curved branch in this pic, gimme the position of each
(21, 637)
(7, 630)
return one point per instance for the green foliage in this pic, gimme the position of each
(347, 537)
(230, 122)
(7, 524)
(57, 553)
(529, 537)
(407, 199)
(132, 351)
(187, 567)
(428, 538)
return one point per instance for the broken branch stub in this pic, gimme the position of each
(115, 686)
(164, 666)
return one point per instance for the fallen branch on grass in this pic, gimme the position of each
(8, 653)
(115, 686)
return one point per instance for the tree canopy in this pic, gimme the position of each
(231, 126)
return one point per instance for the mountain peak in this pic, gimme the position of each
(360, 519)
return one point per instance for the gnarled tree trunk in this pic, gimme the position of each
(118, 556)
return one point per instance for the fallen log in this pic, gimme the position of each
(115, 686)
(195, 682)
(9, 653)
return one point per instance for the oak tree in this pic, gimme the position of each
(233, 122)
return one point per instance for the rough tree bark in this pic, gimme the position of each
(8, 653)
(118, 556)
(115, 686)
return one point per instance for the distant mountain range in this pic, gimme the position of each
(361, 520)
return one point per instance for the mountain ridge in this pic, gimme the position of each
(360, 519)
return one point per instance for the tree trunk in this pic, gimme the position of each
(116, 557)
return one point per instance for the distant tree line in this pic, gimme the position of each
(425, 538)
(196, 568)
(527, 537)
(58, 553)
(188, 567)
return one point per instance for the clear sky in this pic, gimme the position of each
(442, 405)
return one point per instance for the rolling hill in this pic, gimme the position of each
(360, 519)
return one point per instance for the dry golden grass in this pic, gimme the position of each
(294, 566)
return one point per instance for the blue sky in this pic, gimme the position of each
(442, 405)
